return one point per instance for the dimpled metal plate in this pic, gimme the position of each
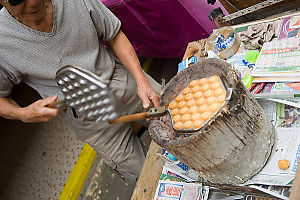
(85, 92)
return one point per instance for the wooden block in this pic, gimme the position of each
(150, 175)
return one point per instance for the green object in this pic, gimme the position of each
(280, 114)
(241, 29)
(247, 80)
(251, 56)
(166, 177)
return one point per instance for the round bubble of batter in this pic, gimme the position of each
(189, 96)
(194, 109)
(205, 116)
(221, 98)
(219, 91)
(172, 105)
(191, 103)
(186, 117)
(196, 89)
(176, 118)
(208, 93)
(193, 83)
(211, 100)
(178, 125)
(203, 108)
(179, 98)
(198, 95)
(181, 104)
(200, 101)
(216, 85)
(184, 110)
(205, 87)
(214, 107)
(196, 116)
(213, 79)
(198, 124)
(188, 125)
(203, 81)
(186, 91)
(175, 112)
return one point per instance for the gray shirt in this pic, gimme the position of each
(34, 57)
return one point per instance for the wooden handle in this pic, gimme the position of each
(129, 118)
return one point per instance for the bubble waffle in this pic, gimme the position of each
(197, 103)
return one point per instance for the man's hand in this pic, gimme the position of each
(42, 110)
(148, 96)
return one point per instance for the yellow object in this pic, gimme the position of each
(186, 91)
(172, 105)
(191, 103)
(179, 98)
(203, 81)
(197, 103)
(176, 118)
(79, 173)
(187, 125)
(188, 96)
(184, 110)
(196, 89)
(198, 95)
(181, 104)
(283, 164)
(193, 83)
(178, 125)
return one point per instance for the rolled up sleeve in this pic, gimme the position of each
(7, 80)
(106, 23)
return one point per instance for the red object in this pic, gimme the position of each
(252, 86)
(260, 88)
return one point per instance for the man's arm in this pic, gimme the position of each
(40, 111)
(126, 53)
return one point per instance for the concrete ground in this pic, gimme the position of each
(102, 182)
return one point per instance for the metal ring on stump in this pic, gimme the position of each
(234, 144)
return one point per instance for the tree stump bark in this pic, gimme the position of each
(233, 145)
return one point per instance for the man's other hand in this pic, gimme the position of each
(42, 110)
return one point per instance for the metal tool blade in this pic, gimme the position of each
(87, 94)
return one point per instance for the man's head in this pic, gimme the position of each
(24, 9)
(14, 2)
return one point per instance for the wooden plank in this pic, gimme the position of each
(196, 48)
(227, 6)
(150, 175)
(245, 4)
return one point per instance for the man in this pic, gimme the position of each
(40, 36)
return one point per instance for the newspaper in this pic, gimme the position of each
(173, 173)
(276, 191)
(170, 190)
(288, 116)
(279, 58)
(287, 147)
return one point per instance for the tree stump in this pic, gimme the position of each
(234, 144)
